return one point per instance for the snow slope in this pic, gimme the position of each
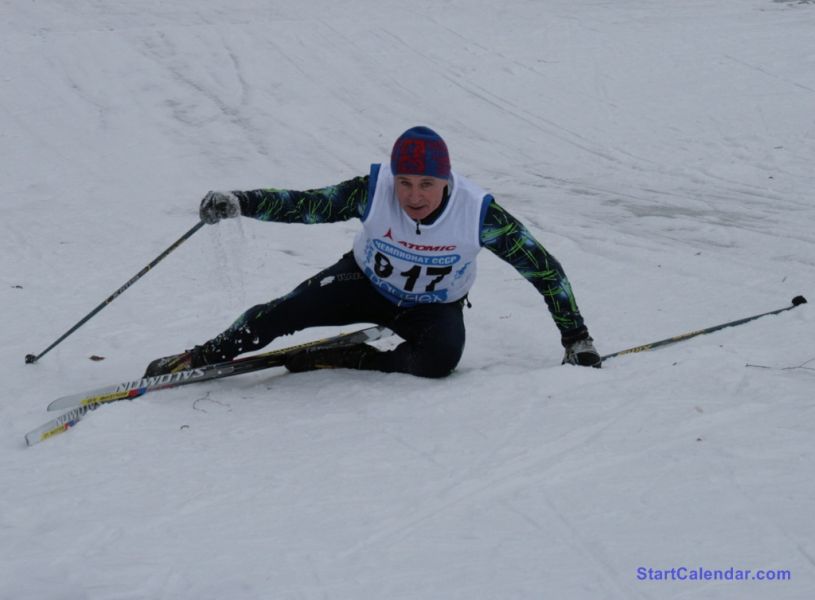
(662, 151)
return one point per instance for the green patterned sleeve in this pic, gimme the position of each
(341, 202)
(508, 239)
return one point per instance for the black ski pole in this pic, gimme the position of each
(31, 358)
(798, 300)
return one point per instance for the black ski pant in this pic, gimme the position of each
(341, 295)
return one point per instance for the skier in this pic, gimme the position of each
(410, 269)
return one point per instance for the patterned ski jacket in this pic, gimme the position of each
(501, 233)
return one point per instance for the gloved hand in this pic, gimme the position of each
(219, 205)
(581, 352)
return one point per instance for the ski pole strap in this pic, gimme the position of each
(797, 301)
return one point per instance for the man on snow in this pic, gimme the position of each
(411, 267)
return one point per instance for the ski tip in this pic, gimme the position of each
(798, 300)
(56, 426)
(40, 435)
(34, 437)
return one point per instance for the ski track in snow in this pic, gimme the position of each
(662, 153)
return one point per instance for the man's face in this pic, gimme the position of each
(419, 195)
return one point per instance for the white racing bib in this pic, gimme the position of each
(436, 265)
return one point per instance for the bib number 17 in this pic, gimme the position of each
(384, 269)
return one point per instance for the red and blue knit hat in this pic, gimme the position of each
(420, 151)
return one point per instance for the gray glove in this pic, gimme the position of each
(582, 352)
(219, 205)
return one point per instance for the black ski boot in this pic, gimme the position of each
(189, 359)
(344, 357)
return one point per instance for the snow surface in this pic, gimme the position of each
(663, 151)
